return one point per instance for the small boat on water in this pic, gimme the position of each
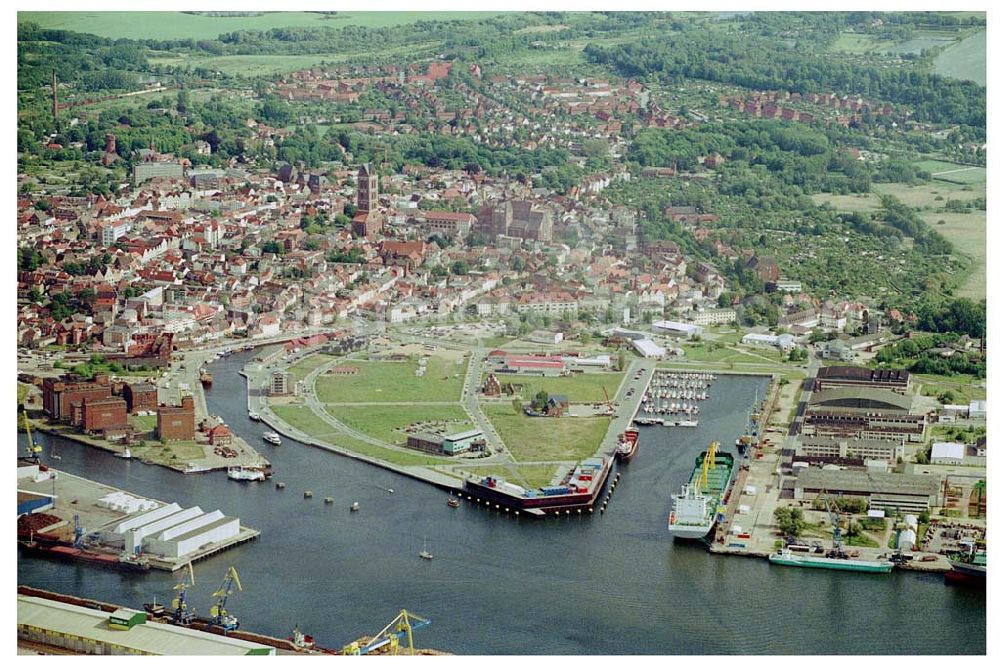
(241, 473)
(272, 438)
(254, 416)
(453, 503)
(426, 554)
(355, 507)
(127, 453)
(205, 377)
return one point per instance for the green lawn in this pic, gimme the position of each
(850, 203)
(172, 453)
(710, 351)
(394, 381)
(308, 364)
(385, 422)
(529, 476)
(961, 174)
(919, 196)
(22, 392)
(849, 42)
(178, 25)
(578, 387)
(539, 438)
(144, 423)
(303, 419)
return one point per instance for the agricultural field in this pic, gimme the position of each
(960, 174)
(850, 203)
(393, 381)
(967, 231)
(918, 44)
(582, 387)
(965, 60)
(921, 196)
(387, 422)
(303, 419)
(529, 476)
(179, 25)
(540, 438)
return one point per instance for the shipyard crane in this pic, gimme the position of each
(220, 616)
(182, 615)
(402, 626)
(838, 545)
(33, 449)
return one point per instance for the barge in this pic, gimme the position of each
(788, 558)
(579, 490)
(62, 551)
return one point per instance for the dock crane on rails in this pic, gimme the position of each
(220, 616)
(402, 626)
(181, 615)
(607, 399)
(837, 552)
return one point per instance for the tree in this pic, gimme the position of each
(620, 361)
(517, 405)
(540, 400)
(791, 522)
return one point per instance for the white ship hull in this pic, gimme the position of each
(689, 531)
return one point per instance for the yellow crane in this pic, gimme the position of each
(708, 463)
(33, 449)
(220, 616)
(402, 626)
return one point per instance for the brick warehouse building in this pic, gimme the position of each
(59, 395)
(103, 414)
(176, 424)
(140, 397)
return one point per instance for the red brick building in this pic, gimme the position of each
(175, 424)
(367, 224)
(220, 435)
(140, 397)
(58, 395)
(102, 414)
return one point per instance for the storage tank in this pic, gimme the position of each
(907, 540)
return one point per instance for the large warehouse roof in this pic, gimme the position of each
(152, 637)
(886, 483)
(870, 399)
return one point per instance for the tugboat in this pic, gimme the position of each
(628, 443)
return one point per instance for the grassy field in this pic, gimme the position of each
(954, 173)
(172, 453)
(964, 387)
(850, 203)
(932, 194)
(308, 364)
(918, 44)
(585, 387)
(393, 381)
(849, 42)
(535, 439)
(303, 419)
(178, 25)
(144, 423)
(529, 476)
(382, 422)
(965, 60)
(968, 233)
(710, 351)
(22, 392)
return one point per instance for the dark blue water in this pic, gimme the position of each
(611, 584)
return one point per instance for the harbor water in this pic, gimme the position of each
(602, 584)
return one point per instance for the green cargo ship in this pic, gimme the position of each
(788, 558)
(701, 501)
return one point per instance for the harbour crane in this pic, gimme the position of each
(607, 399)
(834, 516)
(220, 616)
(707, 464)
(33, 449)
(182, 615)
(402, 626)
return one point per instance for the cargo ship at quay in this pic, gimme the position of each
(702, 500)
(579, 491)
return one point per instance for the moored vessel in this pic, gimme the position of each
(700, 502)
(788, 558)
(205, 377)
(272, 438)
(968, 569)
(242, 473)
(628, 443)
